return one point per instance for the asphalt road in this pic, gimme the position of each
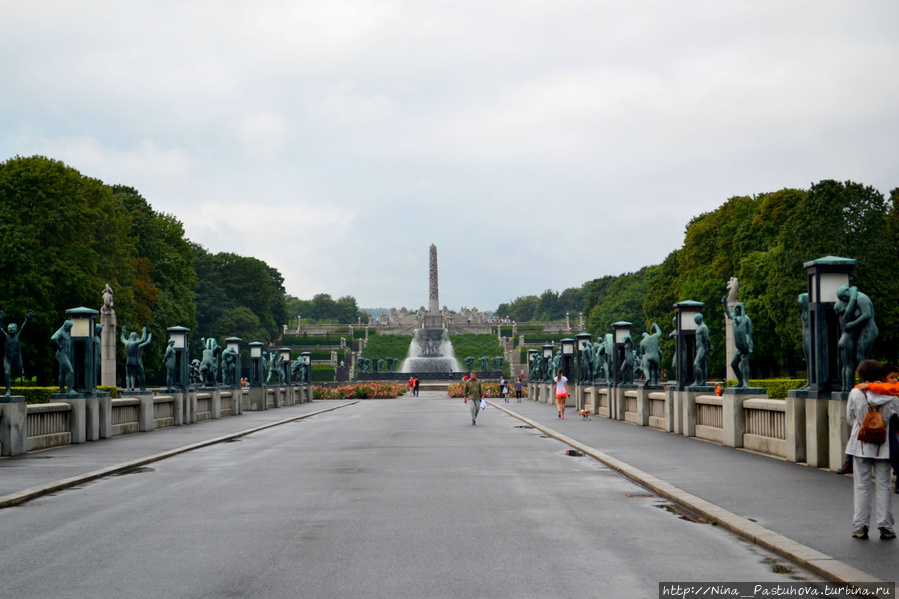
(393, 498)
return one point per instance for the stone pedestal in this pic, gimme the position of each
(13, 425)
(258, 399)
(795, 425)
(673, 414)
(92, 418)
(816, 433)
(215, 403)
(838, 433)
(107, 349)
(734, 423)
(146, 411)
(643, 410)
(190, 407)
(236, 401)
(104, 409)
(178, 407)
(77, 417)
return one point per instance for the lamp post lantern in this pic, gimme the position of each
(825, 276)
(569, 346)
(306, 357)
(685, 343)
(547, 362)
(285, 363)
(256, 366)
(621, 331)
(83, 356)
(179, 337)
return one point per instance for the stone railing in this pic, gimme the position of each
(752, 421)
(30, 427)
(49, 425)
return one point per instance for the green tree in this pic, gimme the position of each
(63, 237)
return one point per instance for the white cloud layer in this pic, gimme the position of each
(538, 144)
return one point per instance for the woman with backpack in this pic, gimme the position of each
(867, 414)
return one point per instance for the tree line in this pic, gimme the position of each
(64, 236)
(762, 240)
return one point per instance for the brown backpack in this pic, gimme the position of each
(873, 428)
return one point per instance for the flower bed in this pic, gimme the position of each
(361, 391)
(490, 390)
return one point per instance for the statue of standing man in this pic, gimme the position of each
(703, 347)
(12, 360)
(742, 340)
(652, 356)
(63, 340)
(134, 365)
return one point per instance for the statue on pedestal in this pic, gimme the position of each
(627, 364)
(169, 361)
(12, 358)
(63, 340)
(209, 364)
(703, 347)
(134, 365)
(229, 367)
(652, 356)
(856, 315)
(742, 326)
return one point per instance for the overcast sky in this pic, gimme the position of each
(538, 144)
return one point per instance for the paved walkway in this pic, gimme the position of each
(801, 512)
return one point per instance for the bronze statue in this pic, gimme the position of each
(703, 347)
(806, 337)
(652, 356)
(856, 316)
(627, 364)
(169, 361)
(12, 360)
(63, 340)
(134, 364)
(742, 326)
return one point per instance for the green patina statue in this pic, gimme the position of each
(469, 362)
(856, 316)
(229, 367)
(627, 364)
(63, 340)
(806, 337)
(482, 364)
(498, 363)
(12, 359)
(535, 373)
(134, 364)
(299, 369)
(391, 364)
(703, 347)
(652, 355)
(169, 361)
(742, 326)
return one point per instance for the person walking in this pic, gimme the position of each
(415, 388)
(561, 382)
(473, 393)
(868, 457)
(503, 390)
(518, 389)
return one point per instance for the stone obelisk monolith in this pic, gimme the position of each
(433, 301)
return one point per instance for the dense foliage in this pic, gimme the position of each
(64, 236)
(361, 391)
(763, 241)
(322, 309)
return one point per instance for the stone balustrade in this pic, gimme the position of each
(31, 427)
(772, 426)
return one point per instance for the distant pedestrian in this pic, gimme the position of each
(415, 388)
(503, 390)
(518, 389)
(561, 382)
(412, 384)
(473, 394)
(867, 456)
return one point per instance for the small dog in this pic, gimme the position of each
(585, 414)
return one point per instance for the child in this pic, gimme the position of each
(890, 386)
(869, 456)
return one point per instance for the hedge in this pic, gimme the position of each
(491, 390)
(322, 373)
(36, 395)
(318, 354)
(775, 388)
(304, 341)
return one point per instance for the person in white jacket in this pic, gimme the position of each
(869, 456)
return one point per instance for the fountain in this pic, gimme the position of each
(430, 351)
